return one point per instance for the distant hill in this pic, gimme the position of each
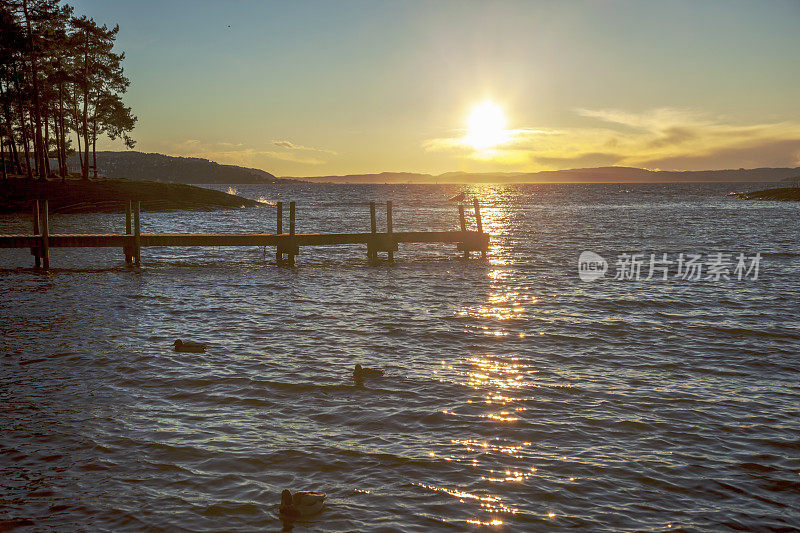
(577, 175)
(143, 166)
(158, 167)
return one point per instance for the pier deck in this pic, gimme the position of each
(286, 244)
(471, 238)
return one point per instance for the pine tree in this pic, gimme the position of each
(60, 81)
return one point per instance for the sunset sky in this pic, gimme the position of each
(338, 87)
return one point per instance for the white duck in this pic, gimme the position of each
(188, 346)
(302, 503)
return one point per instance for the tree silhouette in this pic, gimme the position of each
(60, 82)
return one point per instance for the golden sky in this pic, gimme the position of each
(319, 88)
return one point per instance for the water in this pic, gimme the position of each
(517, 397)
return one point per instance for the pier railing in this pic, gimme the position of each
(287, 245)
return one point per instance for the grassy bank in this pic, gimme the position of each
(111, 195)
(783, 194)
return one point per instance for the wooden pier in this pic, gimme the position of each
(287, 245)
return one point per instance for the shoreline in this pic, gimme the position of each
(109, 195)
(782, 194)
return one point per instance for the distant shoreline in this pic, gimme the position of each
(783, 194)
(575, 175)
(107, 195)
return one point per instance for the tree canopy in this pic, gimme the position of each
(61, 87)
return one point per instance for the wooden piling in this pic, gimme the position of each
(372, 253)
(278, 231)
(45, 236)
(137, 234)
(478, 215)
(291, 232)
(128, 231)
(463, 225)
(35, 250)
(389, 229)
(478, 221)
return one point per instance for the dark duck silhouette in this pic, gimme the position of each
(302, 503)
(189, 346)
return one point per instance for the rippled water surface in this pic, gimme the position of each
(516, 396)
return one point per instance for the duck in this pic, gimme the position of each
(302, 503)
(458, 197)
(361, 372)
(189, 346)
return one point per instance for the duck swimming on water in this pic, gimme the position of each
(360, 373)
(302, 503)
(189, 346)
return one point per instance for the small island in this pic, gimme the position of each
(75, 195)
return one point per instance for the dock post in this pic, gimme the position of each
(45, 236)
(35, 250)
(463, 225)
(291, 232)
(128, 231)
(278, 231)
(137, 234)
(372, 253)
(389, 229)
(479, 222)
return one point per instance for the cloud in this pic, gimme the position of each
(295, 158)
(239, 154)
(593, 159)
(767, 153)
(291, 146)
(649, 120)
(665, 138)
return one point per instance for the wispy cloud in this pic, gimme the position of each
(291, 146)
(666, 138)
(241, 154)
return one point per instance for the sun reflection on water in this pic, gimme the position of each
(494, 522)
(492, 504)
(497, 375)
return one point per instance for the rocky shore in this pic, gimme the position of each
(111, 195)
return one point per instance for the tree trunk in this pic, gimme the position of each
(12, 143)
(57, 139)
(15, 156)
(46, 154)
(41, 156)
(94, 147)
(77, 130)
(86, 139)
(62, 146)
(3, 157)
(86, 106)
(22, 125)
(35, 151)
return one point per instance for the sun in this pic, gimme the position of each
(486, 126)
